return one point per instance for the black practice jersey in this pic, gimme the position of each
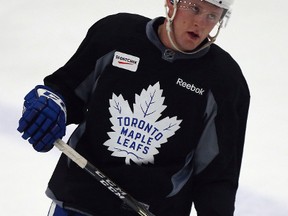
(165, 126)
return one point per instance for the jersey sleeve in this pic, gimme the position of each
(101, 38)
(215, 186)
(76, 71)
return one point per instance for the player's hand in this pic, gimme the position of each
(44, 118)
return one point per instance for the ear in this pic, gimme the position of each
(170, 5)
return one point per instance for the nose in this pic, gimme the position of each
(199, 19)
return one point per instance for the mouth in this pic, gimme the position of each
(193, 35)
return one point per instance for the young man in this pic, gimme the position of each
(161, 110)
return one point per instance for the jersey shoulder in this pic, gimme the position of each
(223, 63)
(225, 70)
(119, 24)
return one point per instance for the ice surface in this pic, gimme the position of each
(37, 37)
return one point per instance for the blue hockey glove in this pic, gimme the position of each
(44, 118)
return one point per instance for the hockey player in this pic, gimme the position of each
(160, 109)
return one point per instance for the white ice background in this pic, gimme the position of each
(37, 37)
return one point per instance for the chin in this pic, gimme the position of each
(189, 48)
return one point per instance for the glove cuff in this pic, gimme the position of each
(49, 93)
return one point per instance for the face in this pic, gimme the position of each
(193, 22)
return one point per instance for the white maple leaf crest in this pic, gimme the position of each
(138, 135)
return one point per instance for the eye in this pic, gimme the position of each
(212, 16)
(194, 8)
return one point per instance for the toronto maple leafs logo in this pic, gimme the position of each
(137, 135)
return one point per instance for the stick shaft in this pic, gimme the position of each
(101, 177)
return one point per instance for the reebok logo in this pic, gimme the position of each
(125, 61)
(190, 87)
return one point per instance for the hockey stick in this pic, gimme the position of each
(102, 178)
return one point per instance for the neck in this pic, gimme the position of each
(162, 33)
